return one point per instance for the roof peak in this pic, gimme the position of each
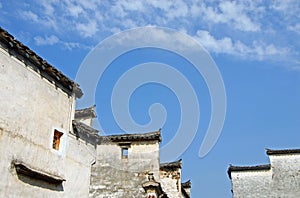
(282, 151)
(88, 112)
(168, 165)
(248, 168)
(25, 54)
(133, 137)
(186, 184)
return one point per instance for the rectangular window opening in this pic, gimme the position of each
(56, 139)
(124, 153)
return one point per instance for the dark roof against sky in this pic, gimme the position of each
(265, 166)
(282, 151)
(85, 132)
(87, 112)
(23, 53)
(176, 164)
(84, 128)
(186, 184)
(132, 137)
(247, 168)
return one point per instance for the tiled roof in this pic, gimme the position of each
(87, 112)
(185, 188)
(186, 184)
(132, 137)
(171, 165)
(85, 132)
(247, 168)
(282, 151)
(83, 127)
(26, 55)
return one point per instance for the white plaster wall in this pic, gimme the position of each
(171, 183)
(285, 175)
(251, 184)
(283, 180)
(30, 108)
(113, 176)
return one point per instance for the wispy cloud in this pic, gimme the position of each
(54, 40)
(231, 13)
(257, 50)
(47, 40)
(253, 29)
(75, 45)
(87, 29)
(29, 15)
(295, 28)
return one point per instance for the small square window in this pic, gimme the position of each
(56, 139)
(124, 153)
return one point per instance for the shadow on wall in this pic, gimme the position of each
(39, 183)
(37, 178)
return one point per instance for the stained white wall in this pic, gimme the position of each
(113, 176)
(282, 180)
(31, 107)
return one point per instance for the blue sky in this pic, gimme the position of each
(255, 44)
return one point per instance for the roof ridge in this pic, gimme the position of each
(128, 134)
(282, 151)
(186, 184)
(260, 167)
(24, 53)
(175, 164)
(86, 112)
(155, 135)
(91, 107)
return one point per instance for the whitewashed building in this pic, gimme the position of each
(49, 149)
(279, 178)
(40, 154)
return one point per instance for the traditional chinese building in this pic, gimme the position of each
(279, 178)
(49, 149)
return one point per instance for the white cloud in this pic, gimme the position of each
(29, 15)
(52, 40)
(257, 50)
(231, 13)
(178, 10)
(295, 28)
(284, 6)
(74, 10)
(48, 6)
(287, 10)
(223, 45)
(248, 28)
(75, 45)
(132, 5)
(87, 29)
(88, 4)
(47, 40)
(162, 5)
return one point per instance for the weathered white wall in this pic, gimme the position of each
(113, 176)
(171, 182)
(282, 180)
(251, 184)
(285, 175)
(31, 107)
